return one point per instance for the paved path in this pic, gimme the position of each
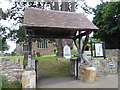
(110, 81)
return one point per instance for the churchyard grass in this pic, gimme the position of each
(16, 57)
(13, 57)
(51, 66)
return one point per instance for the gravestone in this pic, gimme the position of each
(67, 52)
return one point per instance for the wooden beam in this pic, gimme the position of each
(30, 42)
(85, 43)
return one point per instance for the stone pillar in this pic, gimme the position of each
(29, 79)
(87, 74)
(29, 61)
(21, 62)
(16, 61)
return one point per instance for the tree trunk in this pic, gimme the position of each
(60, 43)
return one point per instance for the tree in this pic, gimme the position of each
(16, 13)
(3, 45)
(107, 19)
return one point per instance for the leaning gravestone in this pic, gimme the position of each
(67, 52)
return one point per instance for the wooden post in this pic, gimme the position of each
(29, 47)
(104, 50)
(80, 49)
(85, 43)
(91, 49)
(79, 54)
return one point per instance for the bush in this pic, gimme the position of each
(25, 62)
(55, 50)
(9, 85)
(38, 54)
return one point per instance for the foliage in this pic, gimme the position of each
(88, 45)
(55, 50)
(3, 44)
(38, 54)
(118, 61)
(107, 19)
(16, 13)
(9, 85)
(14, 50)
(25, 63)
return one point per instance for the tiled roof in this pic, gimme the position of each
(34, 17)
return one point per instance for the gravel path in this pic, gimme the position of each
(110, 81)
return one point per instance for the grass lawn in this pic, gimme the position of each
(50, 66)
(16, 57)
(13, 57)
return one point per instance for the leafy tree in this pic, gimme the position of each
(107, 19)
(3, 45)
(16, 13)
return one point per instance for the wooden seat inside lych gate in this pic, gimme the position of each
(58, 24)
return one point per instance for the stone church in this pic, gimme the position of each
(43, 47)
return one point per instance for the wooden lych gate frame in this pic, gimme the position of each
(58, 24)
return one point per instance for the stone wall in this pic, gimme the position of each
(105, 66)
(43, 51)
(11, 69)
(113, 53)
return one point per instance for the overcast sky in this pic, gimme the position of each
(4, 4)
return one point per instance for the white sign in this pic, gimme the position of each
(67, 52)
(98, 49)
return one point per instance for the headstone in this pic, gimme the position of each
(67, 52)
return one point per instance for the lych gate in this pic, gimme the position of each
(58, 24)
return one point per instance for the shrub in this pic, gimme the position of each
(9, 85)
(55, 50)
(25, 62)
(38, 54)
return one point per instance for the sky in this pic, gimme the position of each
(4, 4)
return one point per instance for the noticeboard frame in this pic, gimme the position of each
(93, 48)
